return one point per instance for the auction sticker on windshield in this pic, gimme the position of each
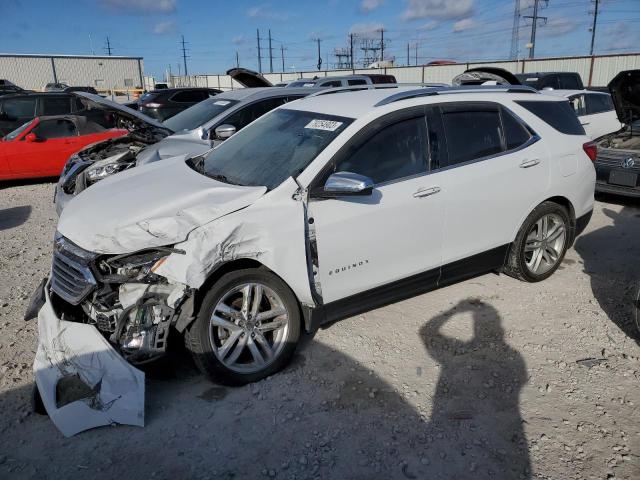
(328, 125)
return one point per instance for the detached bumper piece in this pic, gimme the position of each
(84, 383)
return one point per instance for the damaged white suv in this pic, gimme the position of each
(324, 208)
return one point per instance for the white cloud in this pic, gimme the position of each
(164, 28)
(367, 6)
(239, 40)
(429, 26)
(464, 24)
(265, 11)
(366, 30)
(440, 9)
(140, 6)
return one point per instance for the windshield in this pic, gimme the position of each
(16, 133)
(198, 115)
(275, 147)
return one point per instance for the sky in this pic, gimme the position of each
(214, 31)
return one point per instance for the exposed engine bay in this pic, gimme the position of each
(120, 295)
(624, 140)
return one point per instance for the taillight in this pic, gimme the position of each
(152, 105)
(591, 150)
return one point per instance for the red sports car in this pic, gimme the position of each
(41, 147)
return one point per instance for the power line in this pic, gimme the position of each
(184, 56)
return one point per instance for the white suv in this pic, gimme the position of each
(324, 208)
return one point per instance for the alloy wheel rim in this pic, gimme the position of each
(545, 243)
(248, 328)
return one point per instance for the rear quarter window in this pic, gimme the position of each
(560, 115)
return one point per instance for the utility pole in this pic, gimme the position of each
(237, 60)
(270, 54)
(351, 48)
(184, 56)
(515, 31)
(593, 28)
(534, 24)
(282, 55)
(259, 51)
(319, 57)
(382, 44)
(416, 53)
(108, 47)
(407, 54)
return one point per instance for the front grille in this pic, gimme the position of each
(612, 158)
(71, 280)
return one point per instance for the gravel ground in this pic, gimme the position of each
(483, 379)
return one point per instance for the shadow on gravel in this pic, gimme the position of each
(14, 216)
(611, 257)
(325, 416)
(477, 398)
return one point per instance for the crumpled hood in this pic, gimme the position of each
(625, 93)
(149, 206)
(170, 147)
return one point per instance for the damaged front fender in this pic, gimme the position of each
(84, 383)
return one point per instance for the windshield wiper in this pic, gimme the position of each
(221, 178)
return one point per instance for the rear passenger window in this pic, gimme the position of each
(472, 132)
(357, 82)
(598, 103)
(394, 152)
(331, 83)
(56, 106)
(570, 82)
(578, 105)
(559, 115)
(515, 134)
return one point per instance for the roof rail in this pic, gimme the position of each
(375, 86)
(424, 92)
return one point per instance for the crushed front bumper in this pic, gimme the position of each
(104, 388)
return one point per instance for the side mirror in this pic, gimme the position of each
(31, 137)
(225, 131)
(344, 184)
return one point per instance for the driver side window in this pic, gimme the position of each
(396, 151)
(49, 129)
(245, 116)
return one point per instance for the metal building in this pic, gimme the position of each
(103, 73)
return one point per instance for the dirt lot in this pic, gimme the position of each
(483, 379)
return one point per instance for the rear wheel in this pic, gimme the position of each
(540, 244)
(247, 328)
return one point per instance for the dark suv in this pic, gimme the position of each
(18, 109)
(165, 103)
(554, 80)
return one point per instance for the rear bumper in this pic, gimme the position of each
(602, 187)
(104, 388)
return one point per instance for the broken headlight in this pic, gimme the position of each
(133, 267)
(106, 168)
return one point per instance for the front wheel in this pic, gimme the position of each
(540, 244)
(247, 328)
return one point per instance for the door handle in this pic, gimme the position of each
(584, 123)
(425, 192)
(529, 163)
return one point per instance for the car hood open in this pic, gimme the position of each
(248, 78)
(480, 75)
(150, 206)
(625, 93)
(139, 119)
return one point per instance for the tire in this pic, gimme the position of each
(532, 238)
(246, 340)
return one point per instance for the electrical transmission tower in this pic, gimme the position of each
(370, 48)
(534, 24)
(515, 32)
(343, 56)
(184, 56)
(108, 47)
